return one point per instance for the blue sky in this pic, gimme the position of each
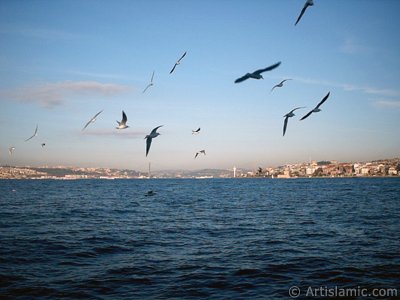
(63, 61)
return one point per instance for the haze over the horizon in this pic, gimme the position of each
(63, 61)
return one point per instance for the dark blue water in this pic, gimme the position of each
(210, 239)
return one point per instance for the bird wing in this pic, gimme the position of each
(33, 134)
(182, 56)
(91, 120)
(285, 125)
(197, 153)
(146, 88)
(307, 115)
(274, 87)
(173, 69)
(268, 68)
(87, 124)
(95, 116)
(302, 12)
(243, 78)
(124, 118)
(148, 144)
(297, 108)
(152, 76)
(155, 129)
(323, 100)
(29, 138)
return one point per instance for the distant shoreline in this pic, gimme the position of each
(312, 169)
(213, 178)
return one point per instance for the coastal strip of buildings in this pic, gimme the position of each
(378, 168)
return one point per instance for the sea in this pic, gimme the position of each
(200, 238)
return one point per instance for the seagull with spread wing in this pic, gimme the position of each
(11, 150)
(257, 74)
(316, 109)
(35, 134)
(177, 63)
(306, 5)
(153, 134)
(196, 131)
(122, 124)
(92, 120)
(200, 152)
(150, 84)
(287, 116)
(279, 84)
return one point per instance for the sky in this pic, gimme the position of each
(64, 61)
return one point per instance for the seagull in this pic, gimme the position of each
(122, 124)
(316, 109)
(92, 120)
(35, 134)
(177, 63)
(257, 74)
(150, 84)
(11, 150)
(306, 5)
(201, 151)
(150, 137)
(287, 116)
(196, 131)
(43, 144)
(279, 84)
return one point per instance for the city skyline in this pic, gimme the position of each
(65, 61)
(375, 168)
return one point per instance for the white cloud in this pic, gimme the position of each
(352, 46)
(52, 94)
(388, 104)
(101, 75)
(351, 87)
(127, 133)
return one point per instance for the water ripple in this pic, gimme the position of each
(208, 239)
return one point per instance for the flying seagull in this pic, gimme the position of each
(316, 109)
(279, 84)
(257, 74)
(122, 124)
(177, 63)
(287, 116)
(11, 150)
(196, 131)
(150, 137)
(92, 120)
(35, 134)
(306, 5)
(201, 151)
(150, 84)
(43, 144)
